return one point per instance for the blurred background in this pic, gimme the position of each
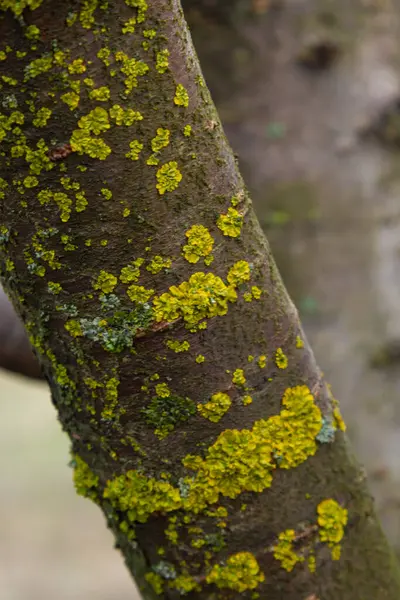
(309, 95)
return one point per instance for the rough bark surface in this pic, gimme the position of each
(309, 93)
(199, 421)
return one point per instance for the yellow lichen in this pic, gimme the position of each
(200, 243)
(241, 572)
(216, 407)
(281, 360)
(230, 223)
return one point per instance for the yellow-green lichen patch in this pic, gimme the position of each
(162, 61)
(332, 519)
(200, 243)
(131, 272)
(111, 398)
(135, 149)
(61, 199)
(239, 377)
(299, 342)
(187, 130)
(181, 97)
(73, 327)
(124, 116)
(230, 223)
(216, 407)
(41, 117)
(338, 419)
(77, 67)
(184, 583)
(156, 582)
(138, 293)
(101, 94)
(284, 550)
(262, 361)
(239, 273)
(131, 69)
(247, 400)
(200, 359)
(177, 346)
(54, 288)
(293, 432)
(167, 410)
(129, 26)
(241, 572)
(141, 6)
(105, 282)
(85, 481)
(161, 140)
(281, 360)
(254, 294)
(139, 496)
(202, 297)
(168, 177)
(157, 264)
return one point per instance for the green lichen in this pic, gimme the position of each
(240, 572)
(162, 61)
(161, 140)
(230, 223)
(41, 117)
(157, 264)
(165, 412)
(239, 273)
(74, 328)
(332, 520)
(139, 497)
(281, 360)
(77, 67)
(155, 580)
(168, 177)
(111, 398)
(262, 361)
(85, 481)
(216, 407)
(135, 149)
(131, 69)
(138, 293)
(141, 6)
(244, 460)
(284, 550)
(239, 377)
(105, 282)
(131, 272)
(177, 346)
(181, 97)
(124, 116)
(200, 243)
(202, 297)
(101, 94)
(54, 288)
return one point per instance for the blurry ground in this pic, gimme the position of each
(53, 544)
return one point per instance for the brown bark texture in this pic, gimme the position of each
(199, 421)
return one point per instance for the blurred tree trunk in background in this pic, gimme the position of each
(199, 421)
(309, 95)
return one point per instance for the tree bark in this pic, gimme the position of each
(199, 421)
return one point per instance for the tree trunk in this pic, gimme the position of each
(199, 421)
(308, 93)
